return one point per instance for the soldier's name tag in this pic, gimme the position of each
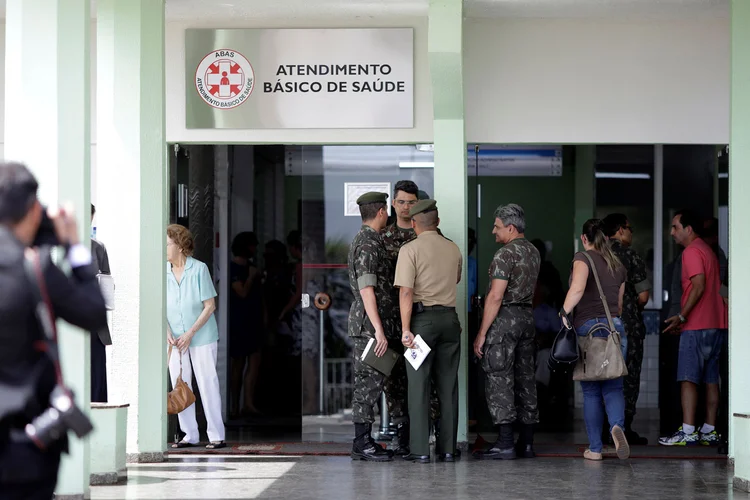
(417, 354)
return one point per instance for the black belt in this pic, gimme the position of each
(518, 304)
(418, 308)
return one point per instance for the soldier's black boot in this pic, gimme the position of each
(365, 448)
(633, 437)
(503, 449)
(403, 440)
(525, 443)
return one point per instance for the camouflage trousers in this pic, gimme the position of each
(368, 385)
(632, 381)
(397, 389)
(510, 365)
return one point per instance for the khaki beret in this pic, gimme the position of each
(422, 195)
(422, 207)
(372, 197)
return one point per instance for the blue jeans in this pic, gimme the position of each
(608, 391)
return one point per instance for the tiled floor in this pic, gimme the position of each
(340, 478)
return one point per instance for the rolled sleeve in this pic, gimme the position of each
(643, 286)
(206, 284)
(367, 280)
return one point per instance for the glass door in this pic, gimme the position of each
(332, 178)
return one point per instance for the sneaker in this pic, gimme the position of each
(592, 455)
(710, 438)
(679, 438)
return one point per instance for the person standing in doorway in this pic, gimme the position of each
(101, 338)
(506, 342)
(637, 288)
(395, 236)
(702, 326)
(192, 330)
(427, 272)
(370, 317)
(245, 323)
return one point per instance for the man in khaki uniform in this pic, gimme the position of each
(427, 272)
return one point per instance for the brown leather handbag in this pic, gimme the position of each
(181, 396)
(601, 357)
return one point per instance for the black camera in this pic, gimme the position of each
(62, 415)
(46, 235)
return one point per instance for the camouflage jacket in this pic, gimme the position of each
(636, 282)
(518, 262)
(369, 265)
(394, 238)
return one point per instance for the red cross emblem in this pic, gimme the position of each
(224, 78)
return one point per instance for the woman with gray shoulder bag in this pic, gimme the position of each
(597, 285)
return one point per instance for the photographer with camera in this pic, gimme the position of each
(36, 408)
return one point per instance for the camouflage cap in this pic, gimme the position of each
(372, 197)
(422, 195)
(422, 207)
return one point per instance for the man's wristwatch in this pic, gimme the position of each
(683, 319)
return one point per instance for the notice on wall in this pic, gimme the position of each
(299, 78)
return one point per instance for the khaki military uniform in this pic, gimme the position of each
(510, 347)
(431, 266)
(369, 265)
(396, 388)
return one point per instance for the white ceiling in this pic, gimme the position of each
(295, 9)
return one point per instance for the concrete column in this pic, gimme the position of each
(132, 211)
(739, 240)
(445, 47)
(47, 127)
(585, 189)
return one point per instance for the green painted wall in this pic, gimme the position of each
(549, 203)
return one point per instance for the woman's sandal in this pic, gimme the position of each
(216, 445)
(182, 444)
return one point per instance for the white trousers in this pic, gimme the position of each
(200, 360)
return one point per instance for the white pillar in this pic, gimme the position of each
(48, 128)
(132, 211)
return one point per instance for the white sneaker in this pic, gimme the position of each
(679, 438)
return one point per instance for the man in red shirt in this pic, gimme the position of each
(702, 324)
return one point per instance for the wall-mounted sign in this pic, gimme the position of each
(353, 190)
(299, 78)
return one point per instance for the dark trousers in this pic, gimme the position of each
(98, 370)
(26, 473)
(441, 330)
(632, 381)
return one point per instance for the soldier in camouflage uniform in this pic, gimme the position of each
(617, 228)
(506, 339)
(405, 196)
(370, 316)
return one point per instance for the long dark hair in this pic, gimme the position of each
(593, 230)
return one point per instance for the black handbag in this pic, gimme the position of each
(564, 354)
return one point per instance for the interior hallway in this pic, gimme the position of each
(339, 477)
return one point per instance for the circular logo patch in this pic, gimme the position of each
(224, 79)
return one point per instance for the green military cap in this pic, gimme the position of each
(372, 197)
(422, 207)
(422, 195)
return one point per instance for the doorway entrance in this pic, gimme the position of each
(289, 376)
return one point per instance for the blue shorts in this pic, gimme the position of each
(700, 352)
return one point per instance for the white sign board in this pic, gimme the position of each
(299, 78)
(353, 190)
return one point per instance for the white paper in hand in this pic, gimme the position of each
(417, 354)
